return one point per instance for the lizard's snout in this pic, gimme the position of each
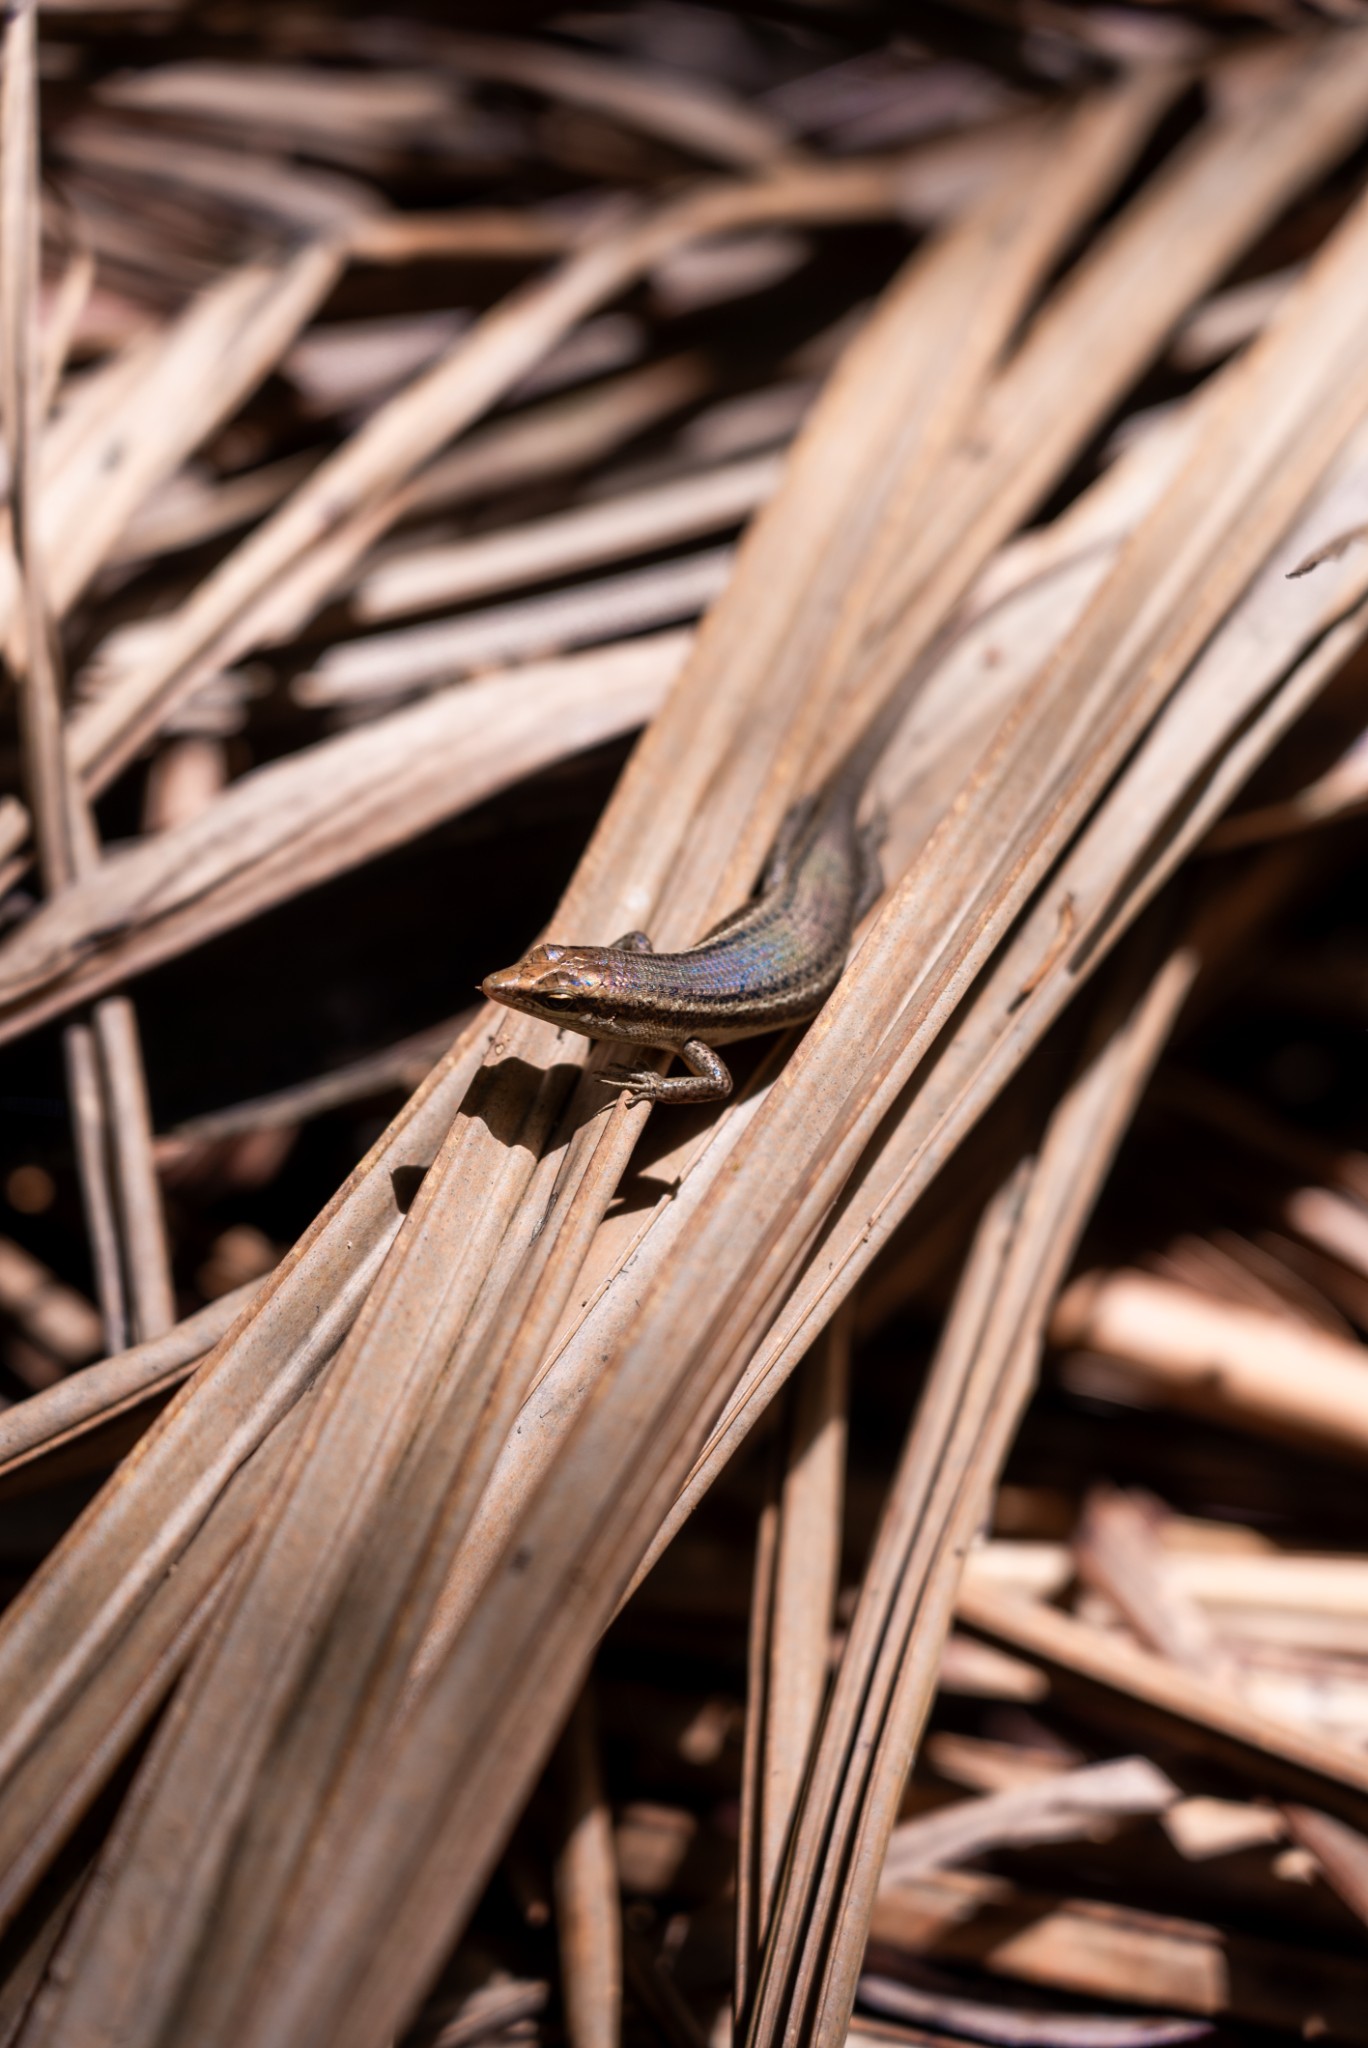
(501, 984)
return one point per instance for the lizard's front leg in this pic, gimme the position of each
(708, 1079)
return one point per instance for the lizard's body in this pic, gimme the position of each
(772, 962)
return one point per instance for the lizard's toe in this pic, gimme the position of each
(640, 1082)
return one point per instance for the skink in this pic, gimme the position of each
(772, 962)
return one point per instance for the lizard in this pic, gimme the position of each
(772, 962)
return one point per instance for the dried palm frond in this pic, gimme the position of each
(399, 419)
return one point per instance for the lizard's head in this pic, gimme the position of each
(564, 985)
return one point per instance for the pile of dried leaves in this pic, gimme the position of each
(880, 1561)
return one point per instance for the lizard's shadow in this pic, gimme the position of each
(500, 1096)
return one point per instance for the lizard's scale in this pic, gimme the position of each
(772, 962)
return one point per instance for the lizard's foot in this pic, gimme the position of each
(639, 1080)
(709, 1079)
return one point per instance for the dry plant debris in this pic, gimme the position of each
(488, 1563)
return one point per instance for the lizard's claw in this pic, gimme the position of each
(641, 1083)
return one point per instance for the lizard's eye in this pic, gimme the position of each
(563, 984)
